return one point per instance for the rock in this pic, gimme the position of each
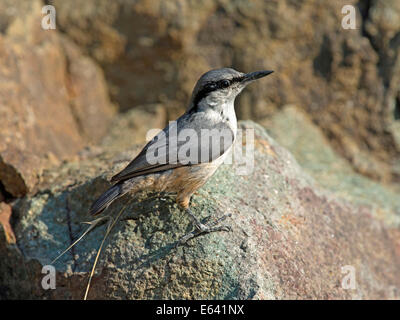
(291, 237)
(53, 100)
(5, 215)
(292, 128)
(383, 29)
(133, 127)
(347, 80)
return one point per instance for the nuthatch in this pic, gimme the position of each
(164, 163)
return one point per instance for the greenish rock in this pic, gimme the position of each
(293, 129)
(291, 236)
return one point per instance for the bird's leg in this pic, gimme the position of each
(201, 228)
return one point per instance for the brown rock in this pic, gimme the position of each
(383, 29)
(347, 80)
(53, 100)
(291, 239)
(133, 127)
(88, 96)
(5, 215)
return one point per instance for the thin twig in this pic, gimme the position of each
(92, 224)
(110, 226)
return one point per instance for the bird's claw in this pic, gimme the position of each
(201, 228)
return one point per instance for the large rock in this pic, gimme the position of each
(53, 99)
(347, 80)
(134, 126)
(291, 237)
(292, 129)
(383, 29)
(5, 217)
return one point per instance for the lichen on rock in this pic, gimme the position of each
(290, 236)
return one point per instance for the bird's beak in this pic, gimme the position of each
(249, 77)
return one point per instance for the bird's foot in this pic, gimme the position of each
(201, 228)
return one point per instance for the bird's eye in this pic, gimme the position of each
(225, 83)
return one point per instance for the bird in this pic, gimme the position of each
(188, 151)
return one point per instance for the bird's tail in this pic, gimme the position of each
(106, 199)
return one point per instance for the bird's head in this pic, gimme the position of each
(221, 86)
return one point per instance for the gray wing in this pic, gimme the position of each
(192, 139)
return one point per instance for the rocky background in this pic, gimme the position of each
(76, 104)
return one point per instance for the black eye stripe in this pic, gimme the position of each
(214, 85)
(237, 79)
(211, 86)
(224, 83)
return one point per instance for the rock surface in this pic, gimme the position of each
(53, 99)
(296, 223)
(291, 237)
(347, 80)
(293, 130)
(5, 217)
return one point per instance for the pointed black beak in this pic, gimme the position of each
(255, 75)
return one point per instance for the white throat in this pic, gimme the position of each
(220, 111)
